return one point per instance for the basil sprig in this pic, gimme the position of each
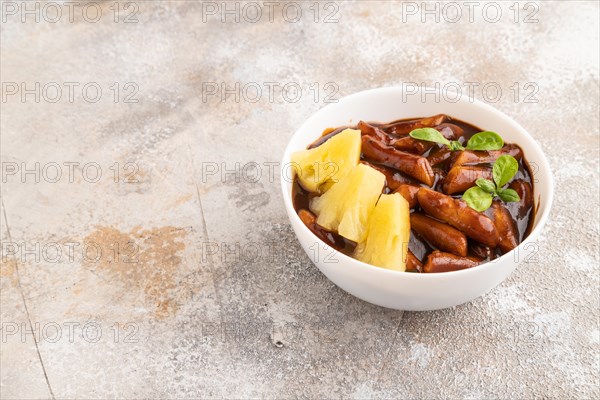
(480, 197)
(433, 135)
(486, 140)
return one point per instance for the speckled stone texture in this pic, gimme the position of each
(180, 277)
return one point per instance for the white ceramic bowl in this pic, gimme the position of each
(404, 290)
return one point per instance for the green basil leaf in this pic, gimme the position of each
(486, 185)
(478, 199)
(454, 145)
(486, 140)
(508, 195)
(504, 169)
(430, 135)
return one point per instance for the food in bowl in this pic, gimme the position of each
(420, 195)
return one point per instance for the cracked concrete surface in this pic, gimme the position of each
(160, 264)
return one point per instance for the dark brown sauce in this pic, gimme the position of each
(523, 218)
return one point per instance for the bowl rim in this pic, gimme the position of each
(545, 165)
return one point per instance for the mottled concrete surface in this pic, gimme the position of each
(192, 284)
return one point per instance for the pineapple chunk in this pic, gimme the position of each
(388, 232)
(345, 207)
(319, 168)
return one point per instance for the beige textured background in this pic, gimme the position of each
(219, 300)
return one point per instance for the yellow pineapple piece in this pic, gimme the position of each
(346, 206)
(388, 232)
(319, 168)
